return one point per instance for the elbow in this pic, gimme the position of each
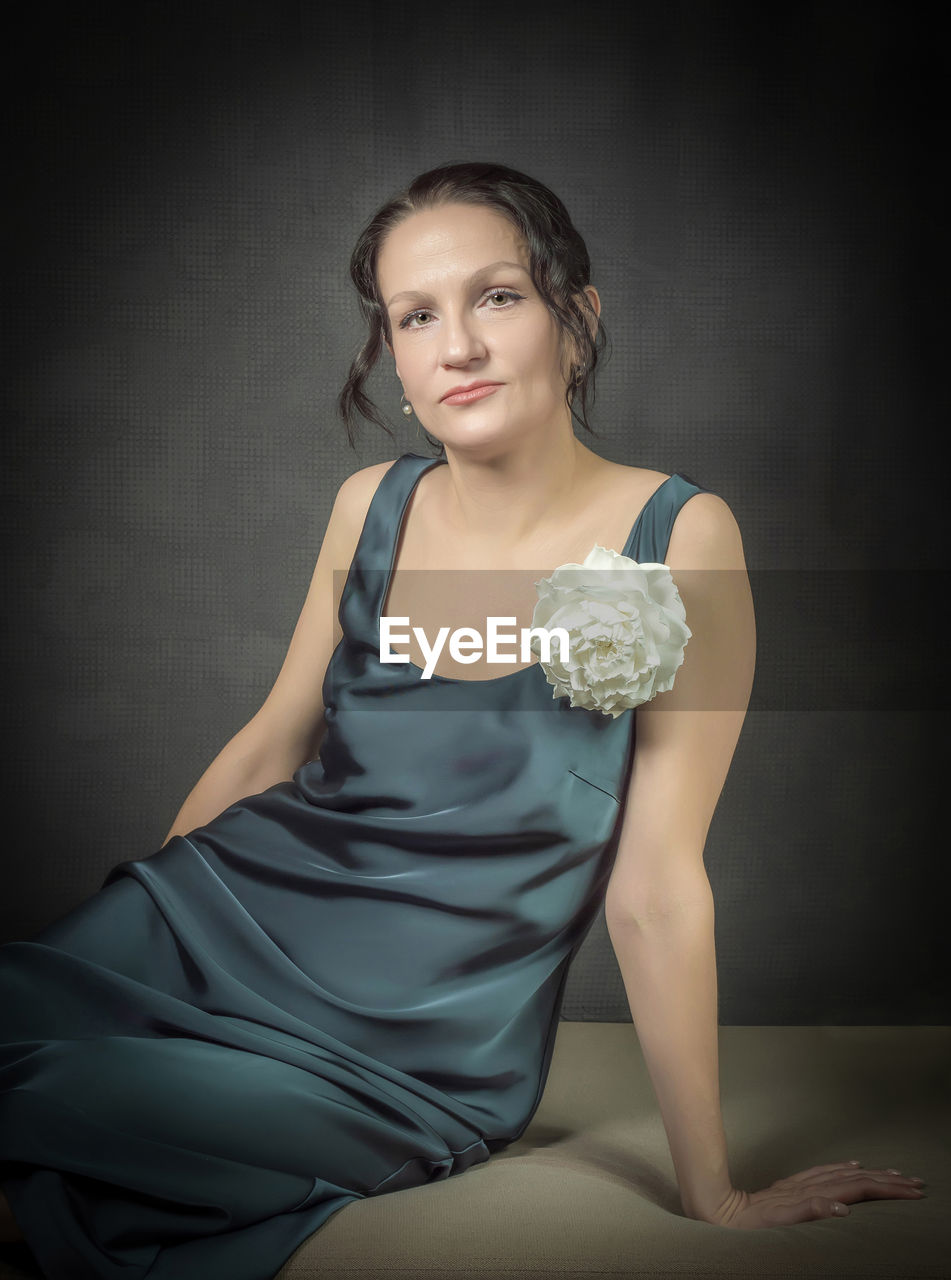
(668, 903)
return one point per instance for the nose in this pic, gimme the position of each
(461, 340)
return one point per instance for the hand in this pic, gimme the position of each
(812, 1194)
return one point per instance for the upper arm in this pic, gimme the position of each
(685, 738)
(291, 718)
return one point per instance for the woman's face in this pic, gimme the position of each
(462, 308)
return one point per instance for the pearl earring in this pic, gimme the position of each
(407, 408)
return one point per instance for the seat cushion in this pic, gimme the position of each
(589, 1190)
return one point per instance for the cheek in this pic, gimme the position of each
(545, 359)
(546, 344)
(409, 357)
(535, 351)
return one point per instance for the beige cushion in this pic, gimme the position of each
(589, 1191)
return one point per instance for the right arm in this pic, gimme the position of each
(289, 726)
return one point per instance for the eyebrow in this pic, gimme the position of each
(425, 297)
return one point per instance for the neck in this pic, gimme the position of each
(510, 497)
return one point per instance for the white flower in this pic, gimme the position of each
(627, 630)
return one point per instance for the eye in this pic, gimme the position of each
(503, 293)
(509, 295)
(405, 322)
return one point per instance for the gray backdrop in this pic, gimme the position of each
(756, 193)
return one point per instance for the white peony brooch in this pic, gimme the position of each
(626, 627)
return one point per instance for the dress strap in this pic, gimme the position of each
(365, 588)
(650, 537)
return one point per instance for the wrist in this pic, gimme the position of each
(712, 1208)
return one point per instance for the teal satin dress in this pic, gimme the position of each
(343, 986)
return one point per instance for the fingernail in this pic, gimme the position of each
(855, 1162)
(839, 1208)
(917, 1179)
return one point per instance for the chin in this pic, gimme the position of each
(471, 437)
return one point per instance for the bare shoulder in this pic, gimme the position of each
(349, 513)
(357, 489)
(356, 492)
(706, 535)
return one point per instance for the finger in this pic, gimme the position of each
(876, 1188)
(836, 1181)
(851, 1177)
(789, 1212)
(819, 1169)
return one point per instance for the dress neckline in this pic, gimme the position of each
(508, 675)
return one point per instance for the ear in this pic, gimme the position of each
(591, 294)
(594, 298)
(390, 350)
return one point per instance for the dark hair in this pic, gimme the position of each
(559, 264)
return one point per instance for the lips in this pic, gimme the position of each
(474, 391)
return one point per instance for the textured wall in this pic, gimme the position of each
(756, 197)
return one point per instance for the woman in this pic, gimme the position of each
(341, 974)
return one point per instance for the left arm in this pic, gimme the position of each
(659, 904)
